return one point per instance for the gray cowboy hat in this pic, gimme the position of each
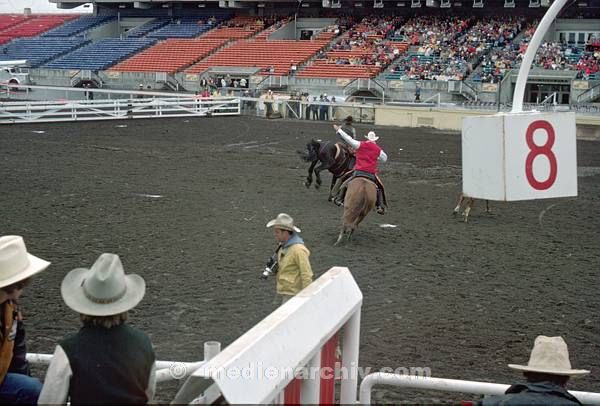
(549, 355)
(104, 289)
(284, 222)
(16, 264)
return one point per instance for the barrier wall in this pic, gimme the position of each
(451, 119)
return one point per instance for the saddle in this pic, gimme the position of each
(347, 177)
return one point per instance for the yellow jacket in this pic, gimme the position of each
(295, 272)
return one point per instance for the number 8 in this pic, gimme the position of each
(536, 150)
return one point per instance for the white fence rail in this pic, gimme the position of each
(447, 385)
(151, 107)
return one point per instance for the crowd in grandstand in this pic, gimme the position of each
(366, 41)
(422, 48)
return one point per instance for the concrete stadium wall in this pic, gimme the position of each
(423, 117)
(442, 119)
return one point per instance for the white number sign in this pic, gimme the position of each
(522, 156)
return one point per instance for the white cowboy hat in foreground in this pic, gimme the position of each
(104, 289)
(16, 264)
(550, 355)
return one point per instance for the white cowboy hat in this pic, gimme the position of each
(104, 289)
(549, 355)
(284, 222)
(16, 263)
(371, 136)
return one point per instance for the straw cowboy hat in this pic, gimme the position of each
(284, 222)
(550, 355)
(371, 136)
(104, 289)
(16, 264)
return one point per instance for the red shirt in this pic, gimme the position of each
(366, 157)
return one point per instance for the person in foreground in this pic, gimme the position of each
(17, 268)
(546, 374)
(107, 361)
(295, 272)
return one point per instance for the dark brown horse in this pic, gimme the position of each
(360, 200)
(335, 157)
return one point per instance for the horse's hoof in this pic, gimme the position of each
(306, 184)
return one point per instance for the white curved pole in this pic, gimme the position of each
(532, 48)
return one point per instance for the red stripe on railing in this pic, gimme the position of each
(328, 360)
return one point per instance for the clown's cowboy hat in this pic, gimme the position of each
(16, 264)
(104, 289)
(549, 355)
(284, 222)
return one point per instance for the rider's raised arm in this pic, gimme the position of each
(382, 156)
(348, 139)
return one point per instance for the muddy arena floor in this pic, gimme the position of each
(185, 203)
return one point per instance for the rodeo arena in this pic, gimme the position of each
(300, 202)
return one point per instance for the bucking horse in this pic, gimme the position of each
(338, 158)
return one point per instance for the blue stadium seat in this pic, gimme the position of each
(78, 26)
(40, 50)
(102, 54)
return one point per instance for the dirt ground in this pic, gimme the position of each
(185, 203)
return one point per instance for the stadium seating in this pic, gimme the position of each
(35, 25)
(102, 54)
(187, 27)
(148, 27)
(171, 55)
(361, 52)
(9, 20)
(237, 28)
(279, 55)
(40, 50)
(78, 26)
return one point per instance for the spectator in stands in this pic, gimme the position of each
(547, 374)
(17, 268)
(295, 272)
(368, 154)
(107, 361)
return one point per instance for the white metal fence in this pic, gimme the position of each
(150, 107)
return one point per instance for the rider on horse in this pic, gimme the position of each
(368, 154)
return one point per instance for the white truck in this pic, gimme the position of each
(14, 72)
